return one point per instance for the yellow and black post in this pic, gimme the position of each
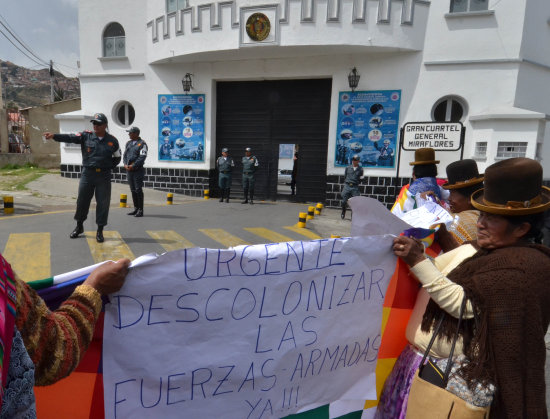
(8, 204)
(169, 199)
(123, 200)
(310, 212)
(302, 220)
(207, 194)
(318, 208)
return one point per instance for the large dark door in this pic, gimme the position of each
(263, 115)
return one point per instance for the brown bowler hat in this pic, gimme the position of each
(424, 156)
(513, 187)
(461, 174)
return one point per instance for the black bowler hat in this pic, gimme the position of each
(513, 187)
(99, 118)
(462, 174)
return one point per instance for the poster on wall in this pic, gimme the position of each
(181, 128)
(368, 125)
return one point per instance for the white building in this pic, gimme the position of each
(484, 63)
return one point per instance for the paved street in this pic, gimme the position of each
(35, 239)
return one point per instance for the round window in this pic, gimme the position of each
(124, 113)
(449, 109)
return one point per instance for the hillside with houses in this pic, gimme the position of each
(24, 88)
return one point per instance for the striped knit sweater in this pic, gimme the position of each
(56, 340)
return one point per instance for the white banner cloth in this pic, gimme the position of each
(249, 332)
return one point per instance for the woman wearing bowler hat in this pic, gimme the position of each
(504, 278)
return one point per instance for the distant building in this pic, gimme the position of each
(277, 74)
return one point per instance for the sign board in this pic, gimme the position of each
(441, 136)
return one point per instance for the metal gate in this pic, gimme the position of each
(274, 118)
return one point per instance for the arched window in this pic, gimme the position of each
(114, 41)
(449, 109)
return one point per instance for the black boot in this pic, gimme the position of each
(99, 235)
(251, 197)
(245, 197)
(139, 212)
(136, 204)
(221, 192)
(79, 229)
(343, 215)
(227, 196)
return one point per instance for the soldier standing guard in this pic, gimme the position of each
(135, 154)
(225, 166)
(100, 154)
(250, 163)
(353, 175)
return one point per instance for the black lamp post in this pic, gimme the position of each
(187, 83)
(353, 79)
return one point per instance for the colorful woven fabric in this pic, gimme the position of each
(7, 318)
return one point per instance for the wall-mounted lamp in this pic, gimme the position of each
(187, 83)
(353, 79)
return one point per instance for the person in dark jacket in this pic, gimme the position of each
(100, 154)
(225, 166)
(250, 164)
(134, 157)
(352, 177)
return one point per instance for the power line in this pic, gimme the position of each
(20, 50)
(18, 39)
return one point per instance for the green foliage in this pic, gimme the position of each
(14, 177)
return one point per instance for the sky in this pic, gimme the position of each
(49, 28)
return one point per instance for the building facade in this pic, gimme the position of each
(276, 77)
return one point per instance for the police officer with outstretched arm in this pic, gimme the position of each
(135, 154)
(225, 166)
(100, 154)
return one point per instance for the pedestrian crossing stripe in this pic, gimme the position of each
(30, 253)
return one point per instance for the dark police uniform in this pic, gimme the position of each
(352, 178)
(135, 154)
(99, 156)
(249, 170)
(225, 167)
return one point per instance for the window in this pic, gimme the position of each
(449, 109)
(480, 151)
(124, 113)
(173, 5)
(507, 150)
(458, 6)
(114, 41)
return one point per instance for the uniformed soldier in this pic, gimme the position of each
(135, 154)
(250, 163)
(352, 177)
(225, 167)
(100, 154)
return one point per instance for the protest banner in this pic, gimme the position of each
(249, 332)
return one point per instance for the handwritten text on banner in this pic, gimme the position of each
(257, 331)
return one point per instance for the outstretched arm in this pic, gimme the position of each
(57, 340)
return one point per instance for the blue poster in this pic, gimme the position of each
(368, 125)
(181, 128)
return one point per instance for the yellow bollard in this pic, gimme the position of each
(169, 198)
(310, 213)
(123, 198)
(318, 208)
(8, 204)
(207, 194)
(302, 220)
(335, 236)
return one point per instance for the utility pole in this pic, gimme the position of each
(51, 82)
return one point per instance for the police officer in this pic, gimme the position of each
(250, 163)
(225, 166)
(100, 154)
(353, 175)
(135, 154)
